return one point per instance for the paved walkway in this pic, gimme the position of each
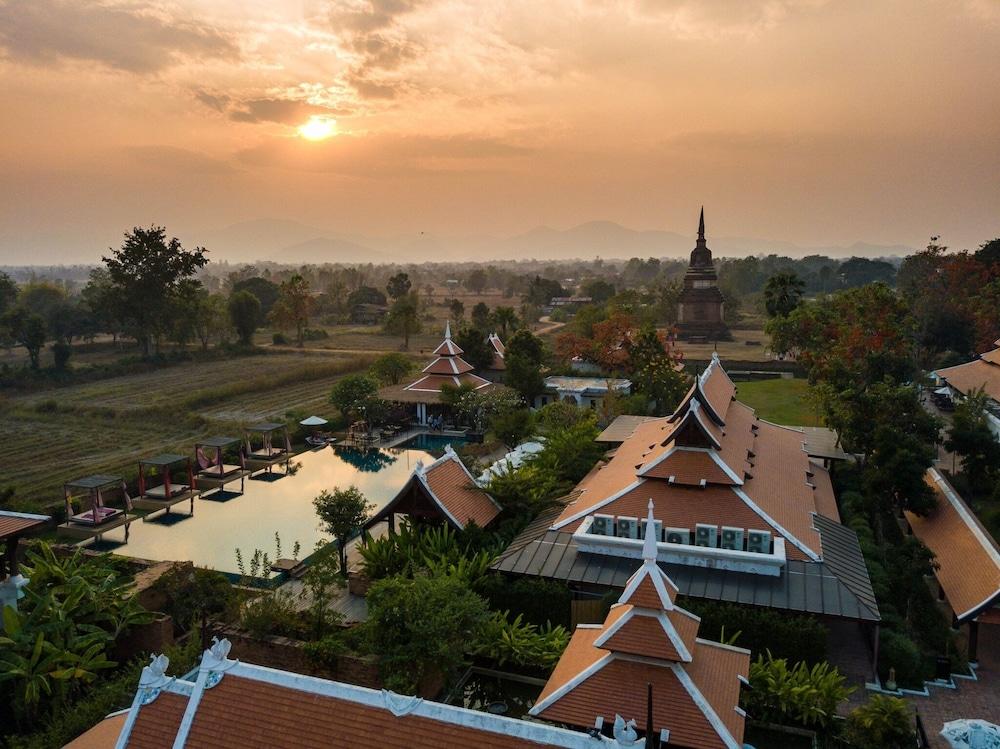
(970, 699)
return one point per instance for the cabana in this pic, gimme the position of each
(165, 480)
(267, 454)
(96, 518)
(214, 472)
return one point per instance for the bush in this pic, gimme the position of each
(797, 695)
(314, 334)
(790, 636)
(538, 601)
(61, 353)
(507, 641)
(422, 627)
(881, 723)
(279, 339)
(898, 651)
(273, 614)
(193, 593)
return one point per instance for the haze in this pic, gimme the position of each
(798, 121)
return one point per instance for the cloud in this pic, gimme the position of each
(133, 38)
(387, 155)
(171, 159)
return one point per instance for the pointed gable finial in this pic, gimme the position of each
(649, 553)
(447, 330)
(701, 224)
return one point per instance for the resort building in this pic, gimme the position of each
(648, 639)
(444, 491)
(967, 561)
(227, 704)
(586, 392)
(982, 373)
(447, 369)
(700, 307)
(744, 512)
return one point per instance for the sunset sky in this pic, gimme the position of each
(798, 120)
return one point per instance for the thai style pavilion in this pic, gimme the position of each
(700, 307)
(647, 639)
(744, 513)
(447, 369)
(443, 491)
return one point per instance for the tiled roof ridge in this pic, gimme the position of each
(216, 667)
(989, 544)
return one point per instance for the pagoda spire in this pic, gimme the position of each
(447, 330)
(701, 225)
(649, 553)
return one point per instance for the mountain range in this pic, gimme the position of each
(285, 241)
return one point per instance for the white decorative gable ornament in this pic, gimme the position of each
(153, 679)
(216, 661)
(624, 733)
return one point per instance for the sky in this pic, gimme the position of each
(817, 122)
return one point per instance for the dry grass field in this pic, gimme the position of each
(107, 425)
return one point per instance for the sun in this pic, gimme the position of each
(318, 128)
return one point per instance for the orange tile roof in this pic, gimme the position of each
(993, 357)
(457, 492)
(968, 558)
(18, 523)
(645, 594)
(157, 724)
(102, 736)
(448, 365)
(713, 669)
(640, 633)
(981, 373)
(686, 466)
(435, 382)
(718, 389)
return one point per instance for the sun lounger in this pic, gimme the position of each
(219, 472)
(95, 516)
(267, 453)
(160, 492)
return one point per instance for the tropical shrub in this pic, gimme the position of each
(515, 642)
(57, 643)
(784, 635)
(539, 601)
(798, 695)
(881, 723)
(421, 627)
(194, 594)
(897, 651)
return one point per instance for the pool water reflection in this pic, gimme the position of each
(279, 503)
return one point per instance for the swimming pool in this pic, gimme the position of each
(434, 443)
(280, 504)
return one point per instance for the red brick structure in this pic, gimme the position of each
(700, 308)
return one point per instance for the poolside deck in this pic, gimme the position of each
(153, 504)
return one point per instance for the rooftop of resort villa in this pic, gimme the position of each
(744, 512)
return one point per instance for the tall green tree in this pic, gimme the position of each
(505, 320)
(26, 329)
(146, 273)
(8, 292)
(971, 438)
(294, 306)
(266, 291)
(404, 318)
(782, 294)
(481, 317)
(523, 358)
(476, 281)
(398, 286)
(390, 369)
(244, 312)
(352, 394)
(342, 513)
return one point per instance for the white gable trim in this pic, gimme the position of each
(543, 705)
(592, 509)
(658, 583)
(776, 525)
(699, 699)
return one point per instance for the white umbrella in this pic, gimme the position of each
(971, 734)
(314, 421)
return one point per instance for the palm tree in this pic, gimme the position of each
(783, 293)
(505, 318)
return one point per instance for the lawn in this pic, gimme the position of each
(780, 400)
(107, 425)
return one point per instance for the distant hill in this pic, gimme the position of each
(292, 242)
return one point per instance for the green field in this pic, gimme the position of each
(107, 425)
(780, 400)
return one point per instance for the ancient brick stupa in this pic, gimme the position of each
(700, 308)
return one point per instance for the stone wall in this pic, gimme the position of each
(288, 654)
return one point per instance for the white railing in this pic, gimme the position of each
(695, 556)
